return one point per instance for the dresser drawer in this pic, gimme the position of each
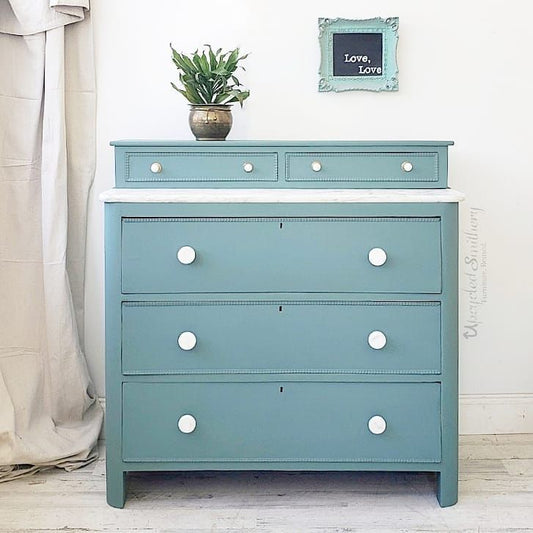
(193, 166)
(339, 164)
(281, 255)
(366, 168)
(281, 422)
(297, 336)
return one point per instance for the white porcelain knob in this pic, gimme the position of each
(186, 255)
(187, 423)
(187, 340)
(156, 168)
(377, 425)
(248, 167)
(316, 166)
(407, 166)
(377, 256)
(377, 340)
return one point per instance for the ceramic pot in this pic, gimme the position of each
(210, 122)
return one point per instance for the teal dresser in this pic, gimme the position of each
(283, 306)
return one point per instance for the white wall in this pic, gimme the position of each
(465, 75)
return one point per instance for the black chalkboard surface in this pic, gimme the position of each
(358, 54)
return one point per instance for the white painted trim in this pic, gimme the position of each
(479, 414)
(282, 195)
(483, 414)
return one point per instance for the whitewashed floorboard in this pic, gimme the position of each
(495, 495)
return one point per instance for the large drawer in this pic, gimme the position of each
(196, 167)
(365, 168)
(282, 255)
(282, 336)
(281, 422)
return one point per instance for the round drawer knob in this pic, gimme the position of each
(187, 340)
(156, 168)
(377, 425)
(187, 423)
(316, 166)
(377, 256)
(377, 340)
(248, 167)
(407, 166)
(186, 255)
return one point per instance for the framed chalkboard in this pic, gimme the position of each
(358, 54)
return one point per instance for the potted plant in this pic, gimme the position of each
(209, 83)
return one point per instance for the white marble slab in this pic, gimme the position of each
(281, 195)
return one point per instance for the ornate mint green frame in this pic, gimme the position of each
(388, 81)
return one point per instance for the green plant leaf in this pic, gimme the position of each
(206, 69)
(233, 56)
(194, 95)
(237, 96)
(212, 59)
(179, 62)
(196, 63)
(188, 65)
(208, 77)
(181, 91)
(221, 71)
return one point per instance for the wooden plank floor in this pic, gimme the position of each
(495, 494)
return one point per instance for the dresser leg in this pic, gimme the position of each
(447, 487)
(116, 489)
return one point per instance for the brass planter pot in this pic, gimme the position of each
(210, 122)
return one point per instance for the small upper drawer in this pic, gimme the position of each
(263, 254)
(195, 167)
(282, 164)
(366, 169)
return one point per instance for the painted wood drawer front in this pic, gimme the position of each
(255, 336)
(281, 422)
(282, 255)
(256, 164)
(194, 166)
(365, 168)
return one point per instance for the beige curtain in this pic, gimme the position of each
(49, 412)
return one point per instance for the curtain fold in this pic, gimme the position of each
(49, 412)
(27, 17)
